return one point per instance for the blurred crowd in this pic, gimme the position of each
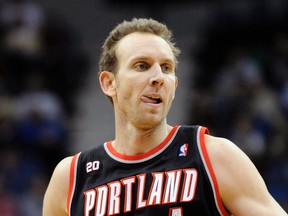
(42, 67)
(241, 89)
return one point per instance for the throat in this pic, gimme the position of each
(133, 149)
(136, 143)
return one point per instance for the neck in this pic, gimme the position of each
(131, 140)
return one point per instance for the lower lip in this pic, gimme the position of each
(151, 104)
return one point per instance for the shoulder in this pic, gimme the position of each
(218, 149)
(61, 173)
(241, 186)
(55, 198)
(229, 162)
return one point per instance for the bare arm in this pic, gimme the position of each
(242, 189)
(54, 203)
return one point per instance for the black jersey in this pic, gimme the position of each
(174, 179)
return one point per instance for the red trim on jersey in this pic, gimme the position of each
(71, 181)
(213, 178)
(144, 155)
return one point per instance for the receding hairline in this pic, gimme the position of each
(141, 56)
(108, 60)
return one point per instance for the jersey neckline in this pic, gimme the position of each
(141, 157)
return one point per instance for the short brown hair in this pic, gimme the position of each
(108, 60)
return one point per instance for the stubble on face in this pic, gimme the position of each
(131, 85)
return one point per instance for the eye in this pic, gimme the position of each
(167, 68)
(141, 66)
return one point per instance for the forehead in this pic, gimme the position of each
(143, 44)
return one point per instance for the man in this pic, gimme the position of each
(152, 168)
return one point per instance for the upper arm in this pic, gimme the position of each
(242, 188)
(55, 198)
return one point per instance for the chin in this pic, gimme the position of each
(149, 124)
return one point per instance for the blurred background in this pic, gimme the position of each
(233, 79)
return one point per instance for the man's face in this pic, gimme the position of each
(145, 81)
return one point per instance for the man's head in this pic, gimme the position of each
(108, 60)
(137, 72)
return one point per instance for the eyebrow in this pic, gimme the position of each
(145, 58)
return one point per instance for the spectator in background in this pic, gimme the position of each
(8, 201)
(64, 61)
(33, 38)
(7, 127)
(31, 204)
(249, 89)
(277, 66)
(40, 122)
(42, 67)
(21, 23)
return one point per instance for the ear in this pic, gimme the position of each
(176, 82)
(107, 83)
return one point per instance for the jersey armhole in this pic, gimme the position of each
(72, 181)
(209, 169)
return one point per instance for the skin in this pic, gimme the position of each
(147, 70)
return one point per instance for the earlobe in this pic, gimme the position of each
(107, 83)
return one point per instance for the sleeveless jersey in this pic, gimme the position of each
(174, 179)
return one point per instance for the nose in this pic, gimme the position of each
(158, 77)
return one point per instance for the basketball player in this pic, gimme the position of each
(151, 167)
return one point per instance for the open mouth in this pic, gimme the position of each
(156, 100)
(153, 100)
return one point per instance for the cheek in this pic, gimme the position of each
(125, 91)
(171, 88)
